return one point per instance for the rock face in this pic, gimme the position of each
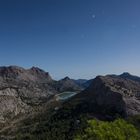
(111, 95)
(21, 90)
(20, 74)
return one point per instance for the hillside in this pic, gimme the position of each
(109, 96)
(21, 90)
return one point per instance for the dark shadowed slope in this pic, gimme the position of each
(109, 96)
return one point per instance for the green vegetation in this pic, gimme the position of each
(61, 125)
(135, 120)
(117, 130)
(66, 127)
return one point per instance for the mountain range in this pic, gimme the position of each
(27, 93)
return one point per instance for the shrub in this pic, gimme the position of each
(117, 130)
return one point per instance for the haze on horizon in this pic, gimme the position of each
(75, 38)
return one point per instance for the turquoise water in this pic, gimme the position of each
(65, 95)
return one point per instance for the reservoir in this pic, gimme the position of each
(65, 95)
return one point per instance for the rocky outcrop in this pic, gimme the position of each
(22, 89)
(110, 96)
(16, 74)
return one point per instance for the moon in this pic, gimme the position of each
(93, 16)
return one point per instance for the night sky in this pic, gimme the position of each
(75, 38)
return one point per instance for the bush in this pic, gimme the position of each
(117, 130)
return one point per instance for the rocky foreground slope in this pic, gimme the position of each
(21, 89)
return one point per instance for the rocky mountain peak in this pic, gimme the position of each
(125, 74)
(37, 70)
(11, 69)
(66, 78)
(41, 74)
(20, 74)
(67, 84)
